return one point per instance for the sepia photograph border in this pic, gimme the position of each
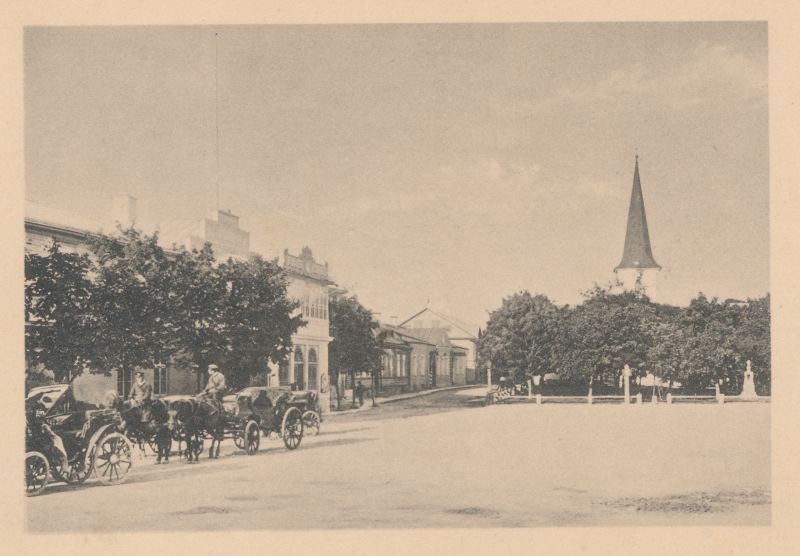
(784, 95)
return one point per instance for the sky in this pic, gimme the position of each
(453, 164)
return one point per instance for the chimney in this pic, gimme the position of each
(123, 211)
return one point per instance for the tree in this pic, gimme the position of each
(58, 330)
(133, 302)
(603, 334)
(667, 355)
(711, 339)
(256, 322)
(752, 340)
(520, 336)
(198, 302)
(355, 347)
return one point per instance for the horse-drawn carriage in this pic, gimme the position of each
(242, 417)
(69, 439)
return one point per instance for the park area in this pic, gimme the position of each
(444, 460)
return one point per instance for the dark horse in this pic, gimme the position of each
(199, 418)
(150, 424)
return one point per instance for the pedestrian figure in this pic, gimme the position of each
(360, 393)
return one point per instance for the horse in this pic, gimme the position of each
(198, 418)
(147, 424)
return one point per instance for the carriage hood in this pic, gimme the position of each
(45, 397)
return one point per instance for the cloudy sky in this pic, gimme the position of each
(456, 163)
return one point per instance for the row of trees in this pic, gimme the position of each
(697, 346)
(131, 303)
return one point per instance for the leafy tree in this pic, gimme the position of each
(520, 336)
(711, 346)
(198, 301)
(58, 295)
(133, 302)
(603, 334)
(752, 341)
(667, 355)
(355, 347)
(256, 318)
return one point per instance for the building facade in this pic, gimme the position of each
(406, 361)
(307, 366)
(455, 337)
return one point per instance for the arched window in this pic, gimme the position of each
(299, 368)
(312, 369)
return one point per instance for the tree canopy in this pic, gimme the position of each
(705, 343)
(134, 304)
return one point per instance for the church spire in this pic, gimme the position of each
(637, 254)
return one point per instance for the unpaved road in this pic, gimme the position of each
(444, 461)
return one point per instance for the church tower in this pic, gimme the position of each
(638, 269)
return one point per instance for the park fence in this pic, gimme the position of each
(508, 395)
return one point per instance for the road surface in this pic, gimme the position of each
(445, 461)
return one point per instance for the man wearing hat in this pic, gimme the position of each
(216, 383)
(141, 391)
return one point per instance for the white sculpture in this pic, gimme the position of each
(749, 387)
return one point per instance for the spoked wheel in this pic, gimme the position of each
(239, 441)
(37, 473)
(113, 458)
(292, 428)
(252, 437)
(75, 472)
(311, 422)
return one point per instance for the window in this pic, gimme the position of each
(124, 382)
(160, 379)
(299, 367)
(312, 369)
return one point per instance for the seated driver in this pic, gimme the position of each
(141, 391)
(216, 384)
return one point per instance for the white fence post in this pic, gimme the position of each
(538, 399)
(669, 397)
(638, 398)
(626, 372)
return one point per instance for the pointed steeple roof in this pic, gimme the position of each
(637, 253)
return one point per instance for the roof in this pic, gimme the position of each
(638, 252)
(406, 334)
(463, 327)
(436, 336)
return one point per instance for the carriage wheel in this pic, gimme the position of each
(37, 473)
(239, 440)
(60, 473)
(292, 428)
(311, 422)
(252, 437)
(113, 458)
